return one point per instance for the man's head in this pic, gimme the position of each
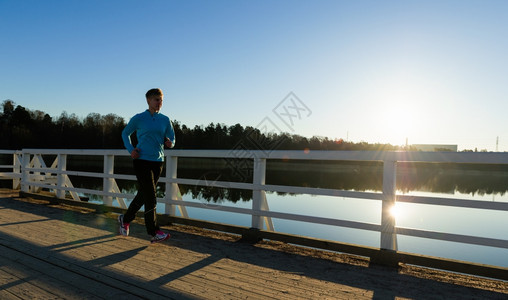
(153, 92)
(154, 99)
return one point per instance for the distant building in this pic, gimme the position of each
(430, 147)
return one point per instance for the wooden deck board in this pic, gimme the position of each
(32, 278)
(58, 252)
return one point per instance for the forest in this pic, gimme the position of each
(21, 128)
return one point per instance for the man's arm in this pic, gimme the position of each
(170, 140)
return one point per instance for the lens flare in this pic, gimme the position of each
(396, 211)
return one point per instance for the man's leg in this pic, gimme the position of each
(143, 175)
(151, 199)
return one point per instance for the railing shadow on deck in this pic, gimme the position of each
(385, 283)
(51, 257)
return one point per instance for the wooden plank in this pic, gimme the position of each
(98, 281)
(30, 278)
(44, 243)
(6, 295)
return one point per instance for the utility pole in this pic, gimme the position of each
(497, 144)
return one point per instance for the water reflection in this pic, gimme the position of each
(357, 176)
(468, 179)
(439, 178)
(449, 178)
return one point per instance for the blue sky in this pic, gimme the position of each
(376, 71)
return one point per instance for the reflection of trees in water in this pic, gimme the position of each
(341, 177)
(216, 195)
(450, 178)
(358, 176)
(208, 175)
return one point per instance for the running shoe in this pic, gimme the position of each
(124, 227)
(159, 237)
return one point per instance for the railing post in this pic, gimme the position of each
(388, 234)
(107, 182)
(16, 169)
(62, 166)
(171, 187)
(257, 192)
(25, 173)
(37, 163)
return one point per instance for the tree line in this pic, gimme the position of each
(24, 128)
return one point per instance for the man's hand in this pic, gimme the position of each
(135, 153)
(168, 143)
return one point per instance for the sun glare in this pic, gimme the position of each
(396, 211)
(399, 106)
(397, 124)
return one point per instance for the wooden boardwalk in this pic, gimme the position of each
(62, 252)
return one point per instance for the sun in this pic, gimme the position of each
(397, 124)
(399, 107)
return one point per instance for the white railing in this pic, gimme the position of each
(30, 174)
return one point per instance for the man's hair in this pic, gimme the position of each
(153, 92)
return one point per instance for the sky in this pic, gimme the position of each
(416, 72)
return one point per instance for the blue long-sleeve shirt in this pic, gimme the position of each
(151, 131)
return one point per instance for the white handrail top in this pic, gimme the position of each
(400, 156)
